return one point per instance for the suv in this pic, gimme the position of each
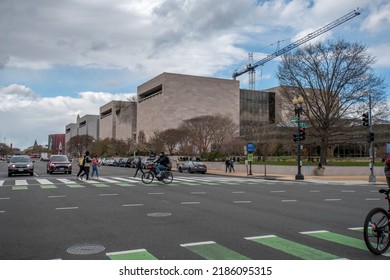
(59, 163)
(20, 164)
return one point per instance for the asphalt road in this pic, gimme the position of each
(196, 217)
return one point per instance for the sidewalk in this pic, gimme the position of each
(380, 180)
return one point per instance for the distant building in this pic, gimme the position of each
(118, 120)
(57, 143)
(168, 99)
(87, 125)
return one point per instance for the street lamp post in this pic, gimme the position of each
(371, 178)
(298, 111)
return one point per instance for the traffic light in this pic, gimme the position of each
(370, 137)
(365, 119)
(302, 133)
(296, 136)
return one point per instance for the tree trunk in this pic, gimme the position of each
(323, 150)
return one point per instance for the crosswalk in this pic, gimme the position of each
(211, 250)
(105, 182)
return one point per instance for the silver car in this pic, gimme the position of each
(20, 165)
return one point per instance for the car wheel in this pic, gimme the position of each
(181, 171)
(9, 175)
(189, 170)
(31, 173)
(47, 171)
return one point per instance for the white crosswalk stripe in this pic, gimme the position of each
(107, 180)
(1, 182)
(21, 182)
(67, 181)
(44, 182)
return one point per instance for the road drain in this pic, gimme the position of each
(85, 249)
(158, 215)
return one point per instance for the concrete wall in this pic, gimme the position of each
(306, 170)
(168, 99)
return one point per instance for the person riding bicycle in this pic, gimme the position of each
(161, 163)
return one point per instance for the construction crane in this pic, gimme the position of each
(250, 67)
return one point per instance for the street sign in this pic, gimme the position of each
(294, 120)
(250, 157)
(303, 125)
(250, 147)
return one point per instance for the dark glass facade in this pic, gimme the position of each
(257, 108)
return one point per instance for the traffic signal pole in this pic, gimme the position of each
(371, 178)
(298, 111)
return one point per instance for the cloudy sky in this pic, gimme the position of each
(63, 58)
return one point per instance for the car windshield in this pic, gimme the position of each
(198, 163)
(20, 159)
(59, 158)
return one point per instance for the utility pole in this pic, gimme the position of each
(371, 178)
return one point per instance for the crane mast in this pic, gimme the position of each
(251, 66)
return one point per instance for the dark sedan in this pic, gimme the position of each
(192, 167)
(59, 163)
(20, 165)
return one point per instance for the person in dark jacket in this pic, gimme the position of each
(139, 167)
(161, 163)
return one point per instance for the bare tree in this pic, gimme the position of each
(205, 130)
(334, 80)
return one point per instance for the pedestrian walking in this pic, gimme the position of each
(87, 164)
(95, 166)
(139, 166)
(81, 166)
(227, 165)
(232, 165)
(387, 170)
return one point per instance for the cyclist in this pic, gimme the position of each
(161, 164)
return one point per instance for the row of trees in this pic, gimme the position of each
(193, 137)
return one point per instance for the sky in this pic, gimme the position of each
(62, 58)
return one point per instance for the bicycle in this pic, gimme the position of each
(376, 228)
(148, 176)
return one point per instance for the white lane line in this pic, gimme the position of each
(44, 182)
(20, 182)
(108, 194)
(132, 205)
(67, 208)
(373, 199)
(1, 198)
(155, 193)
(197, 243)
(282, 191)
(125, 252)
(2, 211)
(315, 191)
(198, 192)
(332, 199)
(56, 196)
(348, 191)
(242, 201)
(289, 200)
(238, 192)
(356, 228)
(259, 237)
(190, 202)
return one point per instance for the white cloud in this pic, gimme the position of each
(27, 116)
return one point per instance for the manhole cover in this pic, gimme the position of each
(86, 249)
(159, 214)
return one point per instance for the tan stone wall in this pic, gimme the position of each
(184, 97)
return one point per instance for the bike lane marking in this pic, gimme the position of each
(337, 238)
(292, 248)
(139, 254)
(213, 251)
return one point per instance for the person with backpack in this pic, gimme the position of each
(161, 163)
(87, 164)
(139, 166)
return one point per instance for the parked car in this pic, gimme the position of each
(20, 165)
(122, 162)
(147, 162)
(192, 166)
(59, 163)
